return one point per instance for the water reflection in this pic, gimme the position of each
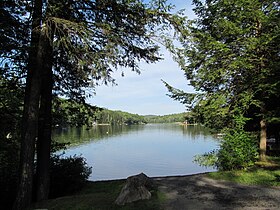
(155, 149)
(74, 135)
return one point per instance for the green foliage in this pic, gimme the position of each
(230, 55)
(76, 45)
(171, 118)
(208, 159)
(94, 38)
(238, 149)
(11, 97)
(11, 104)
(72, 113)
(68, 175)
(255, 176)
(106, 116)
(212, 112)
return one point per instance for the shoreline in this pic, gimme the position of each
(152, 177)
(196, 191)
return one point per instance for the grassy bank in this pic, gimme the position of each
(99, 195)
(265, 173)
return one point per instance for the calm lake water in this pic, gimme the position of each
(116, 152)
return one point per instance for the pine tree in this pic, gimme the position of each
(231, 58)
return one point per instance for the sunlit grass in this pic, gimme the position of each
(270, 163)
(266, 173)
(100, 195)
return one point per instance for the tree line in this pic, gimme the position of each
(118, 118)
(67, 112)
(170, 118)
(72, 113)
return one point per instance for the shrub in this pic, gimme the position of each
(238, 149)
(68, 175)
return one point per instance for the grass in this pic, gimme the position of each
(100, 196)
(266, 173)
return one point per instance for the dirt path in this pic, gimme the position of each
(200, 192)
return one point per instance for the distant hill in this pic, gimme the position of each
(106, 116)
(70, 113)
(180, 117)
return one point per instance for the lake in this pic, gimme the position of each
(116, 152)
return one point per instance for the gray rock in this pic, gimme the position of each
(136, 188)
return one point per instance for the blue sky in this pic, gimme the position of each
(145, 93)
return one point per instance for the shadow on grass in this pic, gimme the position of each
(183, 191)
(99, 195)
(272, 163)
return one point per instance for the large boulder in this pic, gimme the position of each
(136, 188)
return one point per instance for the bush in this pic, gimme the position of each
(238, 149)
(208, 159)
(68, 175)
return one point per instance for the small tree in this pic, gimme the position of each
(238, 149)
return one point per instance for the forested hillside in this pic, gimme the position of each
(106, 116)
(180, 117)
(71, 113)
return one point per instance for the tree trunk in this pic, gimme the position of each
(263, 140)
(29, 133)
(45, 120)
(30, 116)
